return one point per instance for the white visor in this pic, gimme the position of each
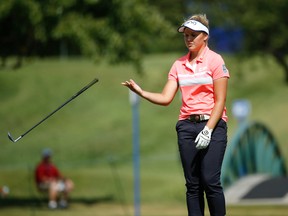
(193, 25)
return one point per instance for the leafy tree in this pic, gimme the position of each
(20, 27)
(117, 29)
(120, 30)
(175, 13)
(264, 24)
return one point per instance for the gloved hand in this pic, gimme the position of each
(203, 138)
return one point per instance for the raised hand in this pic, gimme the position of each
(133, 86)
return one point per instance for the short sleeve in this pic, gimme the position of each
(218, 68)
(172, 75)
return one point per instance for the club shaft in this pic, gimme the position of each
(72, 98)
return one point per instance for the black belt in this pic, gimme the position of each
(198, 117)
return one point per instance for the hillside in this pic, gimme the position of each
(95, 130)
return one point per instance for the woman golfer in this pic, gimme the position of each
(202, 78)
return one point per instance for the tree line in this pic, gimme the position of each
(124, 30)
(117, 30)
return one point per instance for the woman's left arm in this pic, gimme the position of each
(220, 92)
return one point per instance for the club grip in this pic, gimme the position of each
(86, 87)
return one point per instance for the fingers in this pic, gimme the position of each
(128, 83)
(133, 86)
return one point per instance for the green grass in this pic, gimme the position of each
(91, 136)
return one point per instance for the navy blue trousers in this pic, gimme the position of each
(202, 168)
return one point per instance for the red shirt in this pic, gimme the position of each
(46, 170)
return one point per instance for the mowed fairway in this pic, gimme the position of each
(114, 209)
(91, 137)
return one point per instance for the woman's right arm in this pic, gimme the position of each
(164, 98)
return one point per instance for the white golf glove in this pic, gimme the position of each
(203, 138)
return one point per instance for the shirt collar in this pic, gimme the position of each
(199, 58)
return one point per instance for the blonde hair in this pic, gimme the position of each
(200, 18)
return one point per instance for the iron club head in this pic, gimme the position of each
(11, 138)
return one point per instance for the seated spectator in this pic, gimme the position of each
(4, 191)
(49, 179)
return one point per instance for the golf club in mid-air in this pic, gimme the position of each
(73, 97)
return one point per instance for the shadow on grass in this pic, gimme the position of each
(42, 202)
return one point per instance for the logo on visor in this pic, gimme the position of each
(191, 22)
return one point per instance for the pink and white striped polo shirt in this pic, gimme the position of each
(196, 82)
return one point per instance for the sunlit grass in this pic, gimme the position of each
(95, 130)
